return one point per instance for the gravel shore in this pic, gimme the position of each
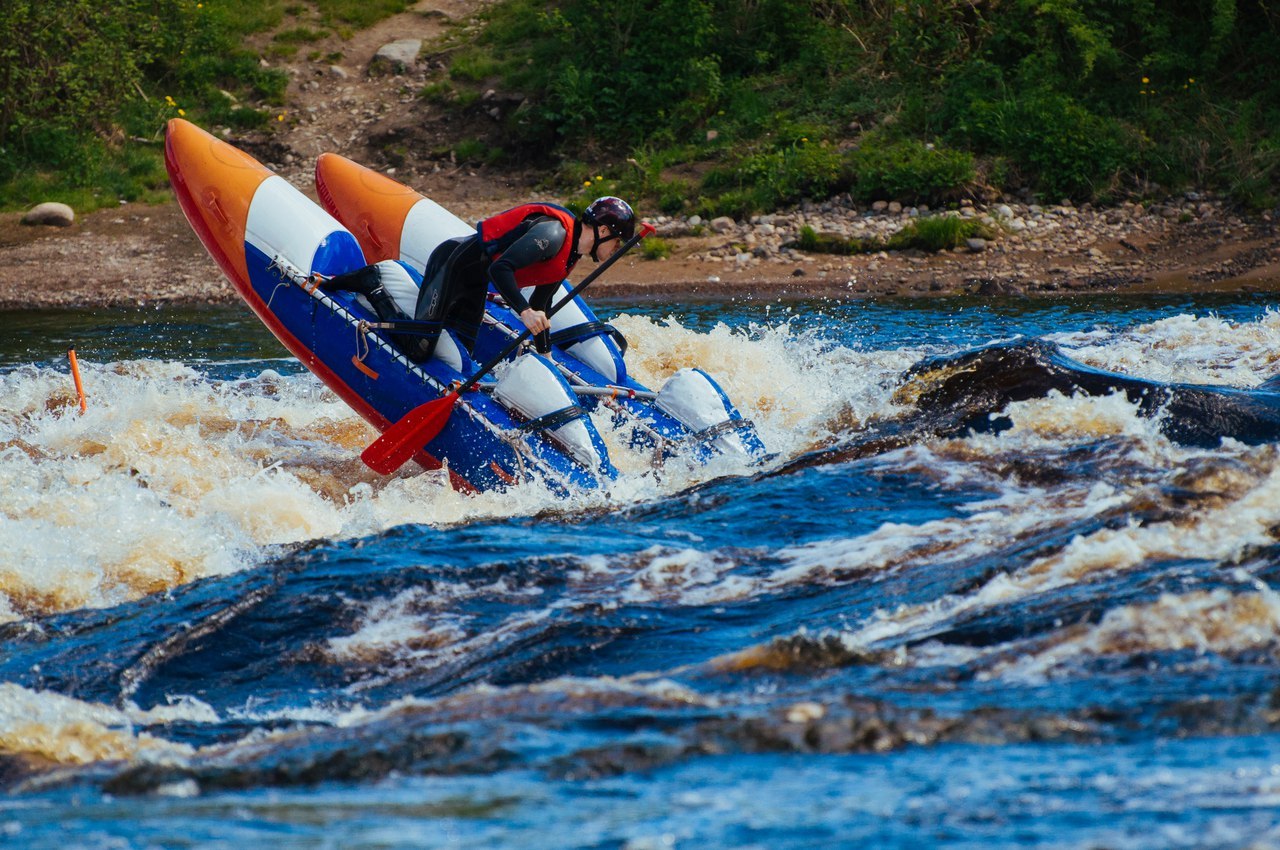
(139, 254)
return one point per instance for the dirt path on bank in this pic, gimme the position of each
(138, 254)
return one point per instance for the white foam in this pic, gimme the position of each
(1186, 349)
(799, 389)
(65, 730)
(1219, 621)
(1222, 534)
(415, 626)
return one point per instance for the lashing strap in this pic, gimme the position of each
(706, 435)
(362, 350)
(554, 419)
(408, 326)
(507, 477)
(363, 367)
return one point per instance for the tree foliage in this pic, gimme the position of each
(68, 64)
(80, 81)
(1083, 98)
(769, 100)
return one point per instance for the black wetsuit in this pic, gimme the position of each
(458, 274)
(456, 283)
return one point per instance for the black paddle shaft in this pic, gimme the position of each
(645, 230)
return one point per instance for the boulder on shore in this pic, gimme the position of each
(52, 213)
(398, 57)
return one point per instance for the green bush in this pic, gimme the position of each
(734, 203)
(85, 89)
(655, 248)
(799, 170)
(907, 170)
(1071, 151)
(609, 72)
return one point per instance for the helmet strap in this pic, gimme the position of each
(596, 241)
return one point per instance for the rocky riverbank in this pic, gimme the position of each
(1192, 241)
(148, 254)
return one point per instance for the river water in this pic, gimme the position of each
(1002, 600)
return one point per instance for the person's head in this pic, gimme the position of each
(607, 222)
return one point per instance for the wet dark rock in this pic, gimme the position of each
(961, 392)
(615, 760)
(801, 653)
(992, 287)
(308, 758)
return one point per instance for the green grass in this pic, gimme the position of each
(823, 243)
(359, 13)
(105, 178)
(248, 16)
(299, 35)
(440, 91)
(474, 65)
(477, 151)
(939, 233)
(931, 234)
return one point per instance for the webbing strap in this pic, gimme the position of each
(554, 419)
(588, 330)
(362, 350)
(408, 326)
(706, 435)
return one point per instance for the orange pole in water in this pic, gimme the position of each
(75, 373)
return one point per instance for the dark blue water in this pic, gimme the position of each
(988, 603)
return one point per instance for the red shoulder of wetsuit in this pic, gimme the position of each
(552, 270)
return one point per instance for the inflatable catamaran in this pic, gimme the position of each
(531, 420)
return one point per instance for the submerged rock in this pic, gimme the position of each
(51, 213)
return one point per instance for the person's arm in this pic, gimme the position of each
(541, 242)
(540, 303)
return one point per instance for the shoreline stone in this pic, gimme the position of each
(50, 213)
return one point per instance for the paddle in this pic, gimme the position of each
(421, 425)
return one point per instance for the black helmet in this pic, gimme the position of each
(613, 213)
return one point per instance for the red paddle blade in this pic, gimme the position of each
(403, 439)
